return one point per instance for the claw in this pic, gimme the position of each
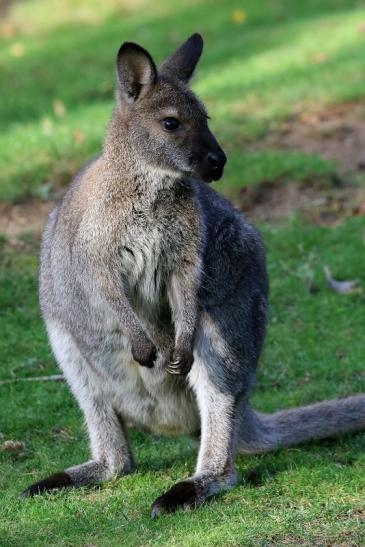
(174, 371)
(180, 363)
(178, 371)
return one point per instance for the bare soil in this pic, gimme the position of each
(335, 132)
(318, 201)
(22, 224)
(24, 217)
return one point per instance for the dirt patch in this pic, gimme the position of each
(336, 132)
(24, 217)
(317, 201)
(22, 224)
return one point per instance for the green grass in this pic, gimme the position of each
(310, 493)
(252, 77)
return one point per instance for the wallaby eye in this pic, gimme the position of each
(170, 124)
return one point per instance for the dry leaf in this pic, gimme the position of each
(309, 118)
(8, 30)
(238, 16)
(47, 126)
(12, 446)
(17, 50)
(360, 209)
(319, 57)
(340, 286)
(59, 108)
(79, 136)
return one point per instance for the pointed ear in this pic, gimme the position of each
(136, 72)
(181, 64)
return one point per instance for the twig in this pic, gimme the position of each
(52, 378)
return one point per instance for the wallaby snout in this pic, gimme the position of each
(210, 164)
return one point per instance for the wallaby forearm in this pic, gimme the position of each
(183, 300)
(143, 349)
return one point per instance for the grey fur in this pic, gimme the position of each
(154, 293)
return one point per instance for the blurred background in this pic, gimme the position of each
(284, 85)
(283, 81)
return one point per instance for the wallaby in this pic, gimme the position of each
(154, 293)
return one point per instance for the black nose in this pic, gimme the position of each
(216, 160)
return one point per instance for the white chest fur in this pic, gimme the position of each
(142, 264)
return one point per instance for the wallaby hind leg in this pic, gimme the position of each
(110, 450)
(218, 405)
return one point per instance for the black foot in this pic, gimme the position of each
(184, 495)
(180, 363)
(53, 482)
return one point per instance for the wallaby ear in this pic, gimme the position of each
(136, 71)
(181, 64)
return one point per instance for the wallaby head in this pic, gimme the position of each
(163, 122)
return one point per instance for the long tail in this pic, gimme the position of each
(266, 432)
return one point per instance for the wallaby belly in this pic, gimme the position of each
(148, 399)
(152, 400)
(88, 339)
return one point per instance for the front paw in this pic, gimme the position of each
(181, 362)
(144, 352)
(184, 495)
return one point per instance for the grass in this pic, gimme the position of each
(253, 76)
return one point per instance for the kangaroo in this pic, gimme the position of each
(154, 293)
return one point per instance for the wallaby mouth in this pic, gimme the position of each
(210, 179)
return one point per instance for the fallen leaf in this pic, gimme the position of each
(359, 210)
(12, 446)
(310, 118)
(61, 432)
(17, 50)
(59, 108)
(79, 136)
(238, 16)
(340, 286)
(47, 126)
(8, 30)
(319, 57)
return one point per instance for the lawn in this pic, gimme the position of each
(267, 66)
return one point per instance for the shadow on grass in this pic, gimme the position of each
(77, 64)
(345, 451)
